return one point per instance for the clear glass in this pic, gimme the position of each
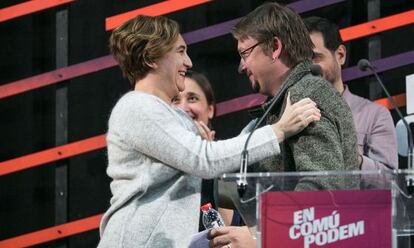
(393, 180)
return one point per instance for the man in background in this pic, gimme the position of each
(377, 142)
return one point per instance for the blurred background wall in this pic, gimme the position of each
(58, 85)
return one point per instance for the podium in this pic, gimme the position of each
(326, 208)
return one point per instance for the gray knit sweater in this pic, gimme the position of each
(328, 144)
(156, 161)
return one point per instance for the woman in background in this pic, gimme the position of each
(198, 101)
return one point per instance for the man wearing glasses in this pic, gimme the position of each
(276, 52)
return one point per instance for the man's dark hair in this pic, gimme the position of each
(329, 30)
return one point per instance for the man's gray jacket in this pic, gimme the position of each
(328, 144)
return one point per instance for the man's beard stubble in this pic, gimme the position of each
(256, 87)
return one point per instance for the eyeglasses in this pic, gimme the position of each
(246, 52)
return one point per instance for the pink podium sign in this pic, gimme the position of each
(340, 218)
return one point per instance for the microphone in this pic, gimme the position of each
(242, 182)
(365, 65)
(316, 70)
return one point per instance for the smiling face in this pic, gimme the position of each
(259, 66)
(194, 102)
(173, 67)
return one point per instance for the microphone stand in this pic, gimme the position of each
(242, 182)
(363, 65)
